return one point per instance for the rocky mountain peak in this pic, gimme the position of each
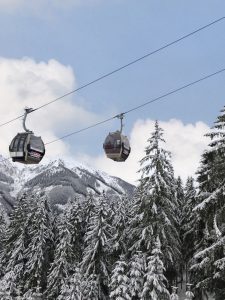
(60, 179)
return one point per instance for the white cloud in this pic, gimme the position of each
(185, 141)
(26, 82)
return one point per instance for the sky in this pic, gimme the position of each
(49, 48)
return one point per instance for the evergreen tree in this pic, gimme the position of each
(179, 212)
(188, 223)
(3, 227)
(90, 288)
(63, 258)
(13, 257)
(72, 288)
(119, 283)
(88, 205)
(33, 294)
(208, 268)
(9, 287)
(180, 195)
(96, 260)
(154, 286)
(137, 266)
(120, 224)
(74, 214)
(174, 295)
(39, 249)
(154, 211)
(189, 295)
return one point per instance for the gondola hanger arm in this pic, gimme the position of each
(27, 111)
(121, 116)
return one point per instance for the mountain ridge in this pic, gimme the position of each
(61, 180)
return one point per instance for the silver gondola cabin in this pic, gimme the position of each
(116, 145)
(27, 148)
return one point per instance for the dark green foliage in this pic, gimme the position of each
(96, 256)
(67, 251)
(188, 222)
(208, 268)
(39, 250)
(119, 282)
(16, 241)
(155, 281)
(154, 211)
(25, 257)
(3, 227)
(137, 267)
(120, 221)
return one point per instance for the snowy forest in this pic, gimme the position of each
(169, 234)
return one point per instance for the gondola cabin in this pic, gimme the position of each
(27, 148)
(117, 146)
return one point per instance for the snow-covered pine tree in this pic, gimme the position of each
(39, 250)
(155, 281)
(64, 293)
(174, 295)
(189, 295)
(119, 282)
(72, 288)
(120, 224)
(9, 288)
(137, 267)
(63, 257)
(88, 205)
(90, 288)
(188, 223)
(75, 215)
(180, 200)
(96, 257)
(3, 227)
(208, 269)
(13, 257)
(181, 203)
(33, 293)
(180, 194)
(155, 207)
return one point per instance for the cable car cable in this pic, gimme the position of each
(132, 62)
(140, 106)
(175, 91)
(120, 68)
(135, 108)
(83, 129)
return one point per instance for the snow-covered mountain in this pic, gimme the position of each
(61, 180)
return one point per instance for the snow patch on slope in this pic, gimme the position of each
(66, 176)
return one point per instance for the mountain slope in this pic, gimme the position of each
(59, 179)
